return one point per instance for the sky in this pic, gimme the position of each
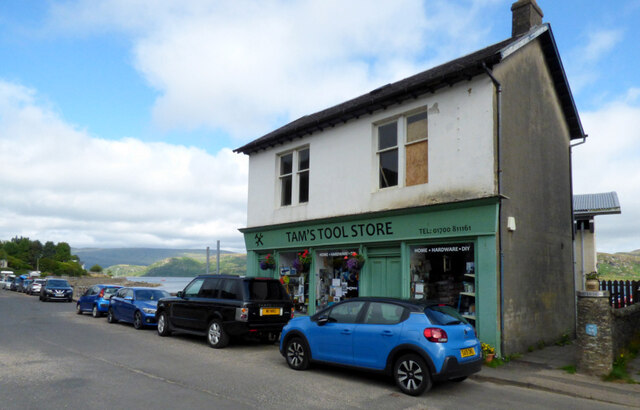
(118, 119)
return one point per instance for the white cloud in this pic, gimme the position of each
(60, 184)
(583, 60)
(246, 67)
(608, 161)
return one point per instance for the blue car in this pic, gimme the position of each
(135, 305)
(415, 341)
(96, 299)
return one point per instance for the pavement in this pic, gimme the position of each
(541, 370)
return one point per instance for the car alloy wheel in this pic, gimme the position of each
(297, 354)
(411, 375)
(110, 317)
(137, 320)
(163, 325)
(95, 312)
(78, 309)
(216, 336)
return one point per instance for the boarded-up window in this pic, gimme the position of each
(417, 150)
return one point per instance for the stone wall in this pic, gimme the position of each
(603, 332)
(626, 324)
(594, 333)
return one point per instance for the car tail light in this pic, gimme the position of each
(435, 335)
(101, 294)
(242, 314)
(292, 312)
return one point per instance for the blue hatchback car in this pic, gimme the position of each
(135, 305)
(96, 299)
(415, 341)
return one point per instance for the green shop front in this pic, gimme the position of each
(445, 253)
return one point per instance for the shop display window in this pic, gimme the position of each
(334, 280)
(295, 278)
(445, 273)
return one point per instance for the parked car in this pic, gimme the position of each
(223, 306)
(416, 342)
(56, 289)
(14, 284)
(6, 283)
(35, 287)
(25, 285)
(96, 299)
(135, 305)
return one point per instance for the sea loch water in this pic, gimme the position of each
(171, 284)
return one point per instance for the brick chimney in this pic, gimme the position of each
(526, 14)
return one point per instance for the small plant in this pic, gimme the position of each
(592, 276)
(564, 340)
(487, 349)
(571, 369)
(530, 349)
(268, 263)
(303, 261)
(355, 262)
(540, 345)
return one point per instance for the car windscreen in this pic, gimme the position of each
(151, 294)
(266, 290)
(443, 315)
(58, 284)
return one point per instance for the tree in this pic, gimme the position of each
(96, 268)
(49, 250)
(63, 252)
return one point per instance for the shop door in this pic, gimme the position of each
(386, 276)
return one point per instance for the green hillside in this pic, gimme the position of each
(184, 266)
(619, 266)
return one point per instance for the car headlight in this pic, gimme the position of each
(49, 291)
(149, 311)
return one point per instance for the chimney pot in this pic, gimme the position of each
(525, 14)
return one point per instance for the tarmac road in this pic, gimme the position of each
(52, 358)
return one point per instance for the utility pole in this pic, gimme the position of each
(207, 260)
(218, 258)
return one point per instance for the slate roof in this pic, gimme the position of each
(605, 203)
(461, 69)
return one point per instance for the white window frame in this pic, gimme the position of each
(295, 177)
(401, 144)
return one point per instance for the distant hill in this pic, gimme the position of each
(184, 266)
(137, 256)
(619, 266)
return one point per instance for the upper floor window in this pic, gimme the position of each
(411, 133)
(294, 177)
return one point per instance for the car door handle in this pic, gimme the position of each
(387, 333)
(345, 332)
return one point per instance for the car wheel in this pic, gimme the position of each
(297, 354)
(95, 312)
(216, 336)
(78, 309)
(163, 325)
(270, 338)
(137, 320)
(459, 379)
(110, 317)
(412, 375)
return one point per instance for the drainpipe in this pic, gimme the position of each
(499, 161)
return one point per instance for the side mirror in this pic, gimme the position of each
(323, 320)
(180, 294)
(129, 298)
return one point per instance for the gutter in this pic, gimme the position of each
(499, 160)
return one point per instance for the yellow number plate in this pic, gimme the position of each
(270, 311)
(468, 352)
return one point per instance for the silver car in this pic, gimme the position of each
(34, 288)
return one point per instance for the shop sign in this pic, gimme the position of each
(477, 220)
(341, 232)
(443, 249)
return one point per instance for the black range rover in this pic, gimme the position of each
(224, 306)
